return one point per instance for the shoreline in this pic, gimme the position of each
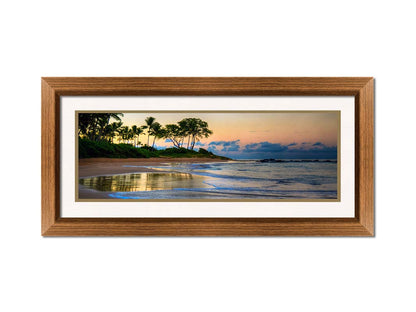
(156, 174)
(90, 167)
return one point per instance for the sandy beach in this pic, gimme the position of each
(107, 166)
(92, 167)
(204, 178)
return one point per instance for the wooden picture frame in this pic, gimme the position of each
(361, 88)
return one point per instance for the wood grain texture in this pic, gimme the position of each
(361, 88)
(50, 157)
(206, 227)
(366, 156)
(205, 86)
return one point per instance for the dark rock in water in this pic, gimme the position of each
(270, 160)
(265, 160)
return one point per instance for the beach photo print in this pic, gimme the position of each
(208, 156)
(269, 155)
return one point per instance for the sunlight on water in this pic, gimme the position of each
(143, 182)
(224, 180)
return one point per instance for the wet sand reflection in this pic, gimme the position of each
(149, 181)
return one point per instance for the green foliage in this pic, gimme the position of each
(174, 151)
(148, 148)
(97, 127)
(204, 151)
(186, 153)
(90, 149)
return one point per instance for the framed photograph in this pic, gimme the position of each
(207, 156)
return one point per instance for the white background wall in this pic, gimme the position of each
(210, 38)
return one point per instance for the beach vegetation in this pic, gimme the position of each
(92, 149)
(98, 134)
(149, 125)
(93, 125)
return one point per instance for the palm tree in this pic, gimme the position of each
(130, 136)
(103, 120)
(102, 123)
(111, 130)
(125, 134)
(203, 132)
(185, 126)
(194, 129)
(198, 129)
(172, 132)
(134, 133)
(149, 122)
(156, 131)
(115, 116)
(139, 131)
(93, 125)
(84, 122)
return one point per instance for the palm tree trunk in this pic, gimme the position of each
(175, 144)
(193, 143)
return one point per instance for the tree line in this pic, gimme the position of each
(98, 127)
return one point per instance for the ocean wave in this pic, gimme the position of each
(223, 193)
(240, 179)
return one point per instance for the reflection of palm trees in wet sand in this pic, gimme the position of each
(138, 182)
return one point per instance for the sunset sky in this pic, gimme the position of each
(254, 135)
